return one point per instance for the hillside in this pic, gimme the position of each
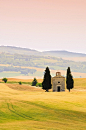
(26, 51)
(18, 50)
(32, 108)
(63, 54)
(16, 61)
(20, 63)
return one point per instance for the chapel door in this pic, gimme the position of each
(58, 88)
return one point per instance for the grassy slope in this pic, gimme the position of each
(35, 110)
(80, 83)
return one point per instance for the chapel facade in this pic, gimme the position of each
(58, 83)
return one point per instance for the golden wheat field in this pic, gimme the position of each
(23, 107)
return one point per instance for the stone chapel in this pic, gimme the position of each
(58, 83)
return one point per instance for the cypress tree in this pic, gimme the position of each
(46, 84)
(69, 80)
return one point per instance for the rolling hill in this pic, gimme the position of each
(28, 108)
(16, 61)
(27, 51)
(62, 54)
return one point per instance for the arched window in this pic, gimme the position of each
(58, 82)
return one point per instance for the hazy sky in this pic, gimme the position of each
(44, 24)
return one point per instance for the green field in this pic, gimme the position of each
(35, 109)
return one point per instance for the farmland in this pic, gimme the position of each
(23, 107)
(17, 62)
(20, 63)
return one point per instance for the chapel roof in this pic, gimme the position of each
(58, 75)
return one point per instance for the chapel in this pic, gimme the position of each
(58, 83)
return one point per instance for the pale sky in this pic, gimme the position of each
(44, 24)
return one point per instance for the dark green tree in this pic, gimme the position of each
(5, 80)
(20, 83)
(69, 80)
(34, 82)
(46, 84)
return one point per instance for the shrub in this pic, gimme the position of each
(5, 80)
(34, 82)
(39, 85)
(20, 83)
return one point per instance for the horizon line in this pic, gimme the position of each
(41, 50)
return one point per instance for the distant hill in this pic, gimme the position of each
(16, 61)
(18, 50)
(63, 54)
(26, 51)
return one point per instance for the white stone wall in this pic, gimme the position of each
(58, 81)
